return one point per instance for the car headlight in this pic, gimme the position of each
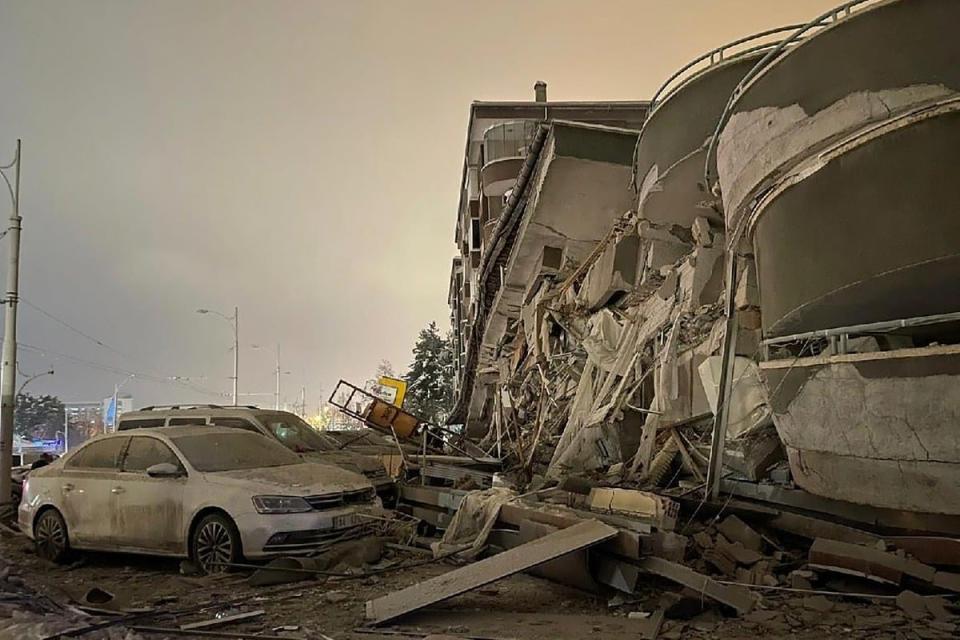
(280, 504)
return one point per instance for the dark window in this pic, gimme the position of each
(143, 423)
(295, 434)
(232, 451)
(143, 453)
(236, 423)
(194, 420)
(475, 235)
(104, 454)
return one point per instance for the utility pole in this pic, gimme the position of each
(8, 375)
(276, 395)
(235, 321)
(116, 401)
(236, 352)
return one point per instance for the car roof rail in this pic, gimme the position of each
(158, 407)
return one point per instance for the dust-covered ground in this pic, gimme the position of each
(521, 606)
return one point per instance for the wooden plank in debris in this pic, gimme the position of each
(738, 598)
(448, 585)
(220, 622)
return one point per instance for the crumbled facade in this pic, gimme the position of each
(778, 250)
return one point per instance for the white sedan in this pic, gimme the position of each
(213, 494)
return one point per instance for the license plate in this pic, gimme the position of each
(345, 521)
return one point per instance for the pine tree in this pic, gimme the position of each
(38, 417)
(430, 378)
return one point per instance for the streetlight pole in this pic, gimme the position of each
(235, 320)
(276, 395)
(31, 379)
(236, 352)
(8, 376)
(116, 401)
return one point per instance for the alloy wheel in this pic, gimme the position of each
(50, 536)
(214, 547)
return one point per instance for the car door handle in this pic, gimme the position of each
(117, 490)
(67, 487)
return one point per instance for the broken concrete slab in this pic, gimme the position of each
(702, 232)
(572, 569)
(650, 507)
(737, 552)
(736, 530)
(868, 562)
(935, 550)
(754, 453)
(721, 562)
(735, 597)
(819, 604)
(913, 604)
(552, 546)
(615, 272)
(937, 606)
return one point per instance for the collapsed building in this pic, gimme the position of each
(743, 284)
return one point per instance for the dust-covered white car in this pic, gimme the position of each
(213, 494)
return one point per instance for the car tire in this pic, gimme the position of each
(215, 543)
(50, 536)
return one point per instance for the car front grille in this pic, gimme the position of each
(335, 500)
(312, 539)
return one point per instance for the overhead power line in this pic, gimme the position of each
(69, 326)
(177, 380)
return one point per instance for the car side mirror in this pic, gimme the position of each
(164, 470)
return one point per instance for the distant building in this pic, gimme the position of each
(567, 156)
(124, 404)
(84, 420)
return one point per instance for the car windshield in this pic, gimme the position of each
(232, 451)
(296, 434)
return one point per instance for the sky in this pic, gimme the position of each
(298, 160)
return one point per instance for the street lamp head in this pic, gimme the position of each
(203, 310)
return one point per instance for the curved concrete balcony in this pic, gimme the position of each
(500, 175)
(866, 230)
(671, 150)
(901, 453)
(884, 58)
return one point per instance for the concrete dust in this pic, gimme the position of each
(521, 606)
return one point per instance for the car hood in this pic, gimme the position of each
(305, 479)
(347, 460)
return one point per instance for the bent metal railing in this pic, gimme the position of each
(837, 14)
(681, 78)
(714, 57)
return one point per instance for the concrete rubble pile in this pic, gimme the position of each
(703, 328)
(635, 335)
(600, 340)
